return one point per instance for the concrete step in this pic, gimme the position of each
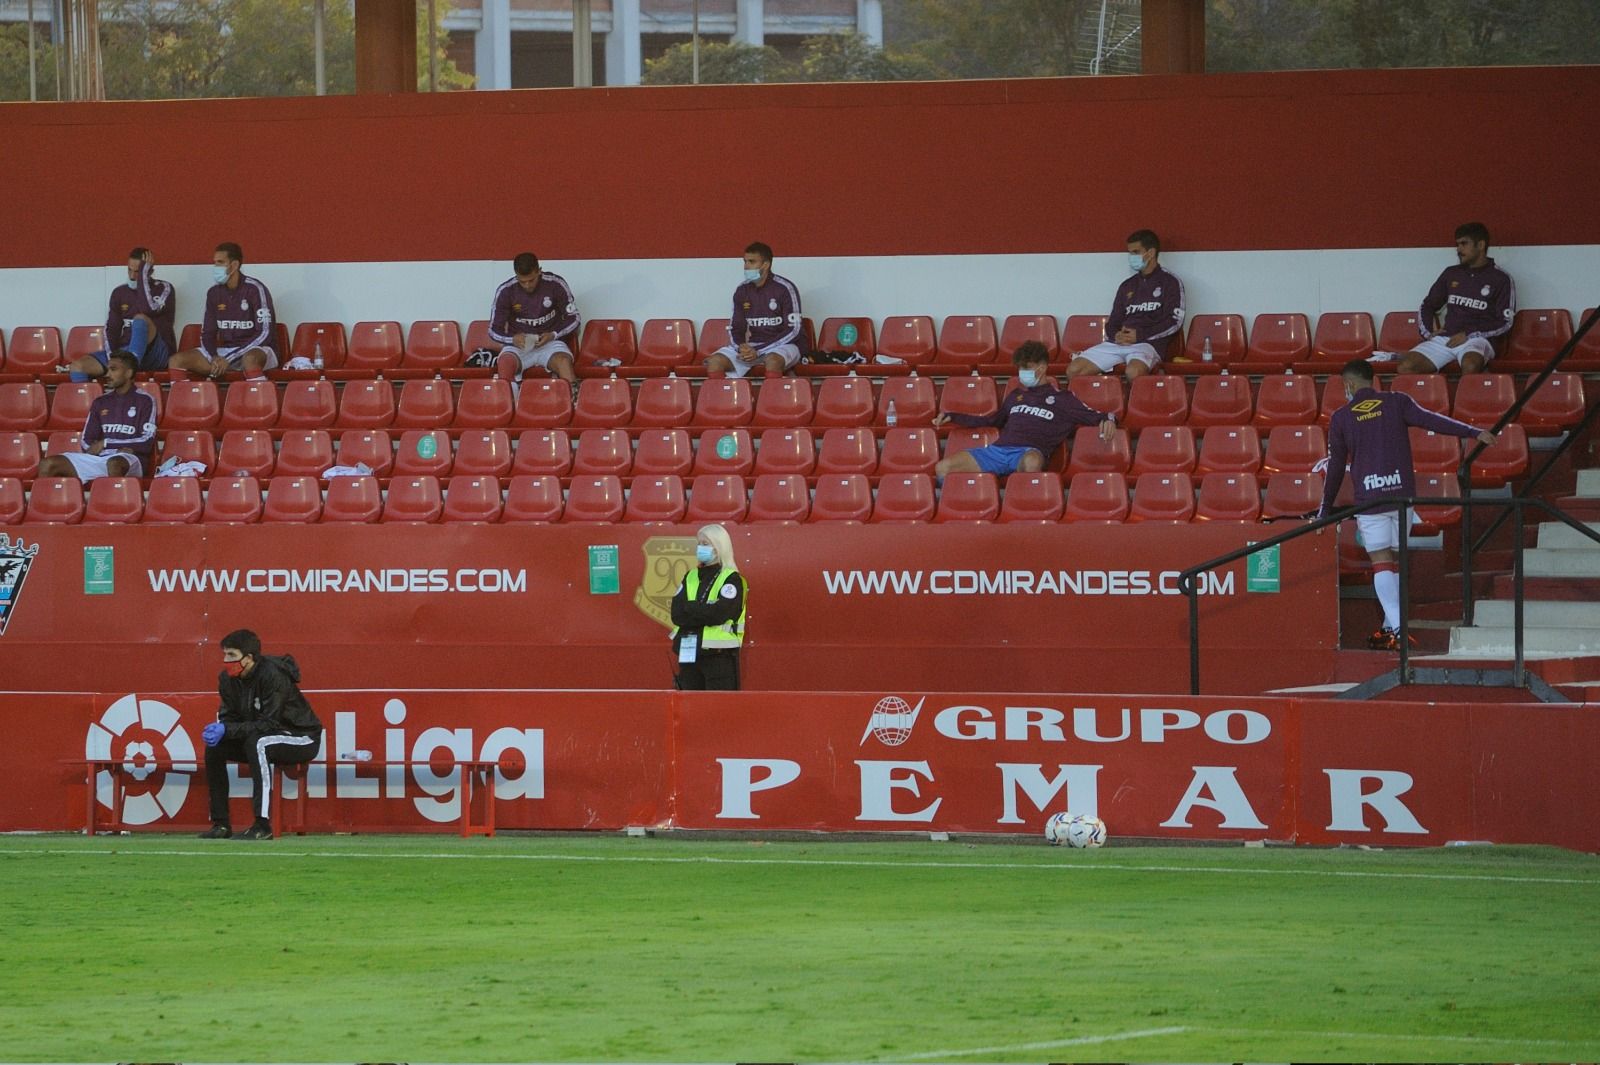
(1547, 562)
(1556, 535)
(1500, 640)
(1546, 588)
(1538, 614)
(1589, 484)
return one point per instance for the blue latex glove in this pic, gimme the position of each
(213, 733)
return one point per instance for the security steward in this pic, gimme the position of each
(708, 616)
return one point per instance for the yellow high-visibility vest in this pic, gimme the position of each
(717, 637)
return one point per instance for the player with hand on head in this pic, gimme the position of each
(138, 320)
(766, 329)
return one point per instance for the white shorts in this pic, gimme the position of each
(538, 355)
(790, 353)
(1441, 354)
(234, 357)
(1109, 355)
(1380, 530)
(88, 466)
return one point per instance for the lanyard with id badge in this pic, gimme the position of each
(689, 642)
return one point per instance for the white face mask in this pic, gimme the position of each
(219, 274)
(1029, 378)
(752, 276)
(1135, 262)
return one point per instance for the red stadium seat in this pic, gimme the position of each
(656, 500)
(290, 500)
(713, 337)
(422, 452)
(327, 336)
(784, 403)
(725, 451)
(859, 336)
(485, 404)
(192, 405)
(543, 452)
(602, 451)
(69, 407)
(1536, 337)
(24, 407)
(483, 453)
(308, 405)
(198, 447)
(594, 501)
(1168, 450)
(374, 346)
(1032, 497)
(664, 402)
(967, 340)
(250, 405)
(478, 339)
(909, 338)
(1333, 397)
(55, 501)
(964, 439)
(1082, 331)
(603, 403)
(913, 398)
(608, 341)
(303, 453)
(1220, 400)
(724, 401)
(1399, 332)
(1018, 329)
(1100, 391)
(352, 501)
(1162, 497)
(1290, 495)
(153, 390)
(1555, 406)
(1482, 398)
(366, 405)
(784, 451)
(1098, 497)
(1340, 337)
(84, 340)
(424, 404)
(1229, 449)
(433, 345)
(845, 401)
(174, 501)
(533, 500)
(19, 455)
(114, 501)
(1433, 452)
(189, 338)
(848, 451)
(374, 449)
(1227, 336)
(719, 498)
(1294, 449)
(909, 451)
(903, 499)
(662, 453)
(63, 443)
(1286, 399)
(13, 502)
(666, 342)
(1228, 497)
(237, 501)
(779, 499)
(1276, 341)
(1157, 399)
(968, 498)
(1090, 454)
(244, 453)
(1436, 486)
(413, 501)
(1587, 350)
(971, 394)
(1505, 461)
(471, 499)
(35, 349)
(543, 404)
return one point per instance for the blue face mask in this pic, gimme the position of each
(1135, 262)
(219, 275)
(1029, 378)
(705, 554)
(753, 276)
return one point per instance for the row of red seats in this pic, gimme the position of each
(1097, 497)
(1273, 342)
(665, 402)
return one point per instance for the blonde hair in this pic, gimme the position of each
(722, 544)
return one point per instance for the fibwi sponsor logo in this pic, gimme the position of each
(892, 721)
(1374, 482)
(141, 734)
(16, 558)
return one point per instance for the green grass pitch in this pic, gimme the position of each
(584, 949)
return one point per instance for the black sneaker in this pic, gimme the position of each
(259, 830)
(217, 832)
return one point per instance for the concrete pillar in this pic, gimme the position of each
(386, 46)
(624, 63)
(749, 22)
(1173, 36)
(582, 44)
(869, 20)
(492, 46)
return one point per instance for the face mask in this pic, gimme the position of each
(219, 275)
(1029, 378)
(1135, 262)
(705, 554)
(752, 276)
(234, 669)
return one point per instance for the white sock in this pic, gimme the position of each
(1386, 582)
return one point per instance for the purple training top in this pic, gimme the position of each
(1372, 432)
(549, 308)
(765, 316)
(126, 422)
(1480, 302)
(237, 318)
(1151, 305)
(1041, 417)
(157, 300)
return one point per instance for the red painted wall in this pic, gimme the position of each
(1289, 160)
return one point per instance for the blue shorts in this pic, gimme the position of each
(155, 356)
(999, 460)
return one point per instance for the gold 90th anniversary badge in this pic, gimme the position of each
(666, 560)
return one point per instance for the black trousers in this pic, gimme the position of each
(717, 671)
(259, 748)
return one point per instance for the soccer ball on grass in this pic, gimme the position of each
(1075, 830)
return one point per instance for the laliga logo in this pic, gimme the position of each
(892, 720)
(136, 725)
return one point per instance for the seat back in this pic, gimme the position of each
(19, 455)
(595, 499)
(1162, 497)
(1291, 494)
(1229, 449)
(603, 451)
(1090, 454)
(666, 342)
(191, 405)
(174, 501)
(250, 405)
(910, 338)
(352, 500)
(1399, 332)
(1165, 450)
(717, 497)
(55, 501)
(1102, 392)
(543, 404)
(902, 498)
(969, 497)
(656, 500)
(663, 452)
(845, 401)
(664, 401)
(972, 394)
(422, 452)
(1294, 449)
(328, 337)
(374, 346)
(608, 342)
(1221, 400)
(433, 344)
(1157, 399)
(913, 399)
(856, 335)
(1226, 333)
(13, 503)
(779, 498)
(69, 407)
(1032, 497)
(784, 402)
(1342, 336)
(842, 497)
(244, 452)
(533, 500)
(1536, 335)
(198, 447)
(1018, 329)
(1277, 340)
(485, 404)
(725, 401)
(308, 405)
(1228, 497)
(425, 404)
(114, 501)
(23, 406)
(35, 349)
(304, 453)
(413, 500)
(483, 452)
(1286, 399)
(472, 498)
(1097, 497)
(603, 402)
(541, 452)
(848, 451)
(366, 405)
(967, 340)
(237, 501)
(1080, 332)
(725, 451)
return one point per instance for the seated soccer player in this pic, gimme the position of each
(1034, 421)
(139, 321)
(237, 334)
(1477, 300)
(1146, 312)
(119, 436)
(765, 328)
(534, 319)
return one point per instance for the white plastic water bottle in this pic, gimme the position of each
(1205, 352)
(890, 418)
(316, 356)
(356, 756)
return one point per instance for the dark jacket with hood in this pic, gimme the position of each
(267, 701)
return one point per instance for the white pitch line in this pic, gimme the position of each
(230, 850)
(1080, 1041)
(1493, 1040)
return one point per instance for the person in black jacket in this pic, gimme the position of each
(708, 616)
(263, 720)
